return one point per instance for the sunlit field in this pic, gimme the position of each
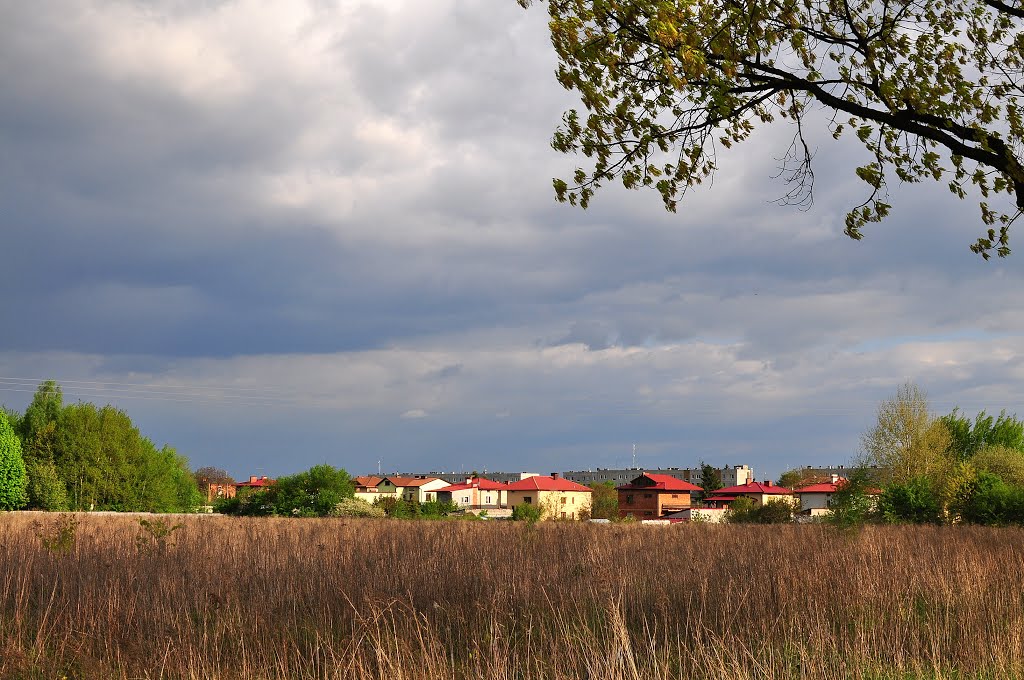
(299, 598)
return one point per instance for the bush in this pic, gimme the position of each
(357, 507)
(913, 502)
(526, 512)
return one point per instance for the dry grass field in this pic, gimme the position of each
(283, 598)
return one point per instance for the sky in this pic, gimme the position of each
(283, 233)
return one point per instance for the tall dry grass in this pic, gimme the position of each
(283, 598)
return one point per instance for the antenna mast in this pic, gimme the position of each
(634, 456)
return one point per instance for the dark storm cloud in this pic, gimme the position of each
(348, 208)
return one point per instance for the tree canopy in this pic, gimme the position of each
(84, 456)
(13, 481)
(930, 88)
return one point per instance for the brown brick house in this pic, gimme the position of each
(650, 496)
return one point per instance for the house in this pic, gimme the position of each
(215, 490)
(255, 484)
(366, 487)
(558, 498)
(653, 495)
(419, 489)
(759, 492)
(816, 499)
(475, 494)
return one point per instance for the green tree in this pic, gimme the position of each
(45, 489)
(906, 442)
(315, 492)
(604, 501)
(13, 480)
(1004, 462)
(852, 504)
(967, 436)
(930, 89)
(527, 512)
(106, 464)
(710, 478)
(914, 501)
(777, 511)
(743, 510)
(47, 404)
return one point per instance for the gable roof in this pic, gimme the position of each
(477, 483)
(542, 483)
(406, 481)
(661, 483)
(366, 481)
(766, 488)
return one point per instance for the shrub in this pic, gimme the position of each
(527, 512)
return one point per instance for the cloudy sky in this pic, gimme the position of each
(285, 233)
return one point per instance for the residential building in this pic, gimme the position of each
(816, 499)
(759, 492)
(420, 489)
(476, 494)
(557, 497)
(652, 495)
(366, 487)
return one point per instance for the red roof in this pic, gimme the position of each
(254, 482)
(661, 483)
(477, 483)
(832, 487)
(542, 483)
(754, 487)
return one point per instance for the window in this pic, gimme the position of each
(563, 500)
(647, 495)
(528, 499)
(563, 515)
(675, 495)
(465, 499)
(488, 499)
(629, 499)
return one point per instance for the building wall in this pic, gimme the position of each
(651, 503)
(555, 504)
(811, 501)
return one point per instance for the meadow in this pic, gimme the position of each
(216, 597)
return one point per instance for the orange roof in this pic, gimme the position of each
(541, 483)
(754, 487)
(661, 483)
(367, 481)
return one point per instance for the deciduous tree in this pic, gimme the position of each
(930, 88)
(13, 481)
(906, 441)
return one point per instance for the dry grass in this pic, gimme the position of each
(281, 598)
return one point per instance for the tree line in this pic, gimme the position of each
(948, 469)
(87, 457)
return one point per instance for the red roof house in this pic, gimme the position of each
(557, 497)
(651, 496)
(759, 492)
(816, 499)
(476, 493)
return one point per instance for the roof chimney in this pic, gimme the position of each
(554, 475)
(252, 479)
